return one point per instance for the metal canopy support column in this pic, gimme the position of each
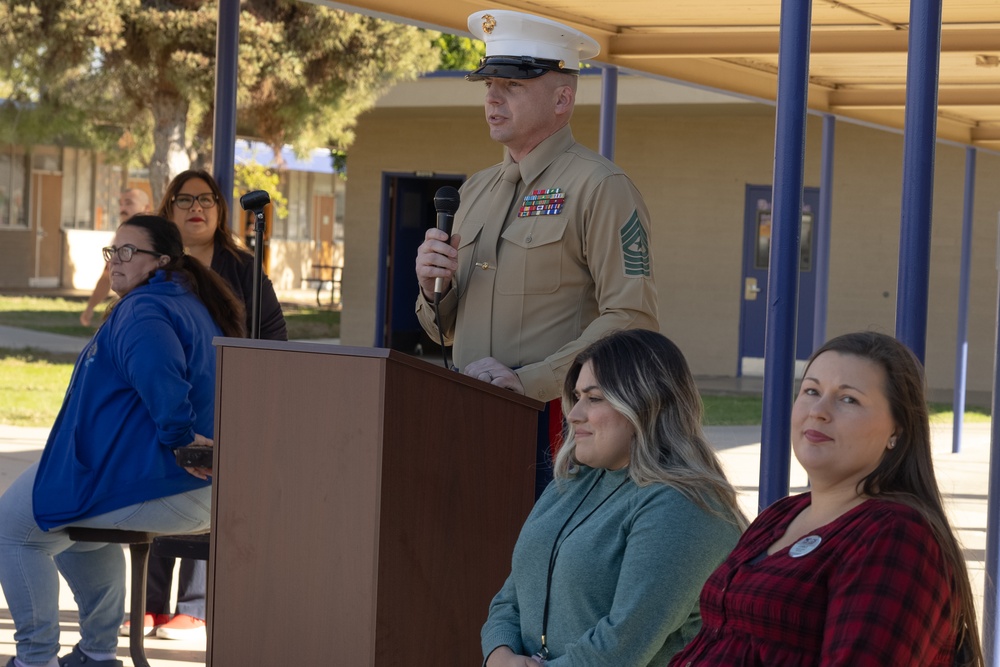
(962, 338)
(783, 271)
(609, 110)
(824, 222)
(992, 574)
(224, 131)
(918, 174)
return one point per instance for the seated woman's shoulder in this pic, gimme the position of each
(893, 511)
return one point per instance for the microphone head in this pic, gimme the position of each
(446, 200)
(255, 201)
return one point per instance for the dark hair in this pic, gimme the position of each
(906, 472)
(227, 311)
(222, 237)
(645, 377)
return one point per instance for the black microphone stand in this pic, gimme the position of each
(256, 201)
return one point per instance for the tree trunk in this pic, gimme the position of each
(170, 156)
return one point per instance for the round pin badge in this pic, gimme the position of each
(804, 546)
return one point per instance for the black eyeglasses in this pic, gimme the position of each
(124, 253)
(185, 202)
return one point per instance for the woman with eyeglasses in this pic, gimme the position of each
(195, 203)
(141, 388)
(197, 206)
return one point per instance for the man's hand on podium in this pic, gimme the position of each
(492, 371)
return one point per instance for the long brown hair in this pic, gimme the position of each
(223, 237)
(226, 310)
(906, 472)
(645, 377)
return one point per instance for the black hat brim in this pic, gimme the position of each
(513, 67)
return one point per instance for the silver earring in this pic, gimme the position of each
(892, 442)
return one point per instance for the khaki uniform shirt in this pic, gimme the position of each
(563, 279)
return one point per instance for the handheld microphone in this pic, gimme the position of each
(255, 201)
(446, 201)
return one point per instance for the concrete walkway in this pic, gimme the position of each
(20, 339)
(963, 479)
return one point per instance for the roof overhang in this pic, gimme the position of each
(858, 50)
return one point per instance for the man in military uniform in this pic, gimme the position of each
(551, 247)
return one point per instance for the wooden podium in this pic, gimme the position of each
(364, 509)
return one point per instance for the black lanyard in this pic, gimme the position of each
(543, 652)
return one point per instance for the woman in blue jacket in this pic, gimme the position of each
(143, 386)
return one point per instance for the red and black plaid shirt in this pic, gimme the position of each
(874, 592)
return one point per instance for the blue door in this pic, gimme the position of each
(756, 256)
(407, 212)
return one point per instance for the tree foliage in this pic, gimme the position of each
(460, 53)
(113, 71)
(251, 175)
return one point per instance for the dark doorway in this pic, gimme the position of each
(756, 255)
(407, 213)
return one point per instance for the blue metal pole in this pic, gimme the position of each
(783, 270)
(224, 131)
(609, 110)
(824, 221)
(918, 174)
(992, 572)
(962, 338)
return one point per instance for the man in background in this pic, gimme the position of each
(130, 202)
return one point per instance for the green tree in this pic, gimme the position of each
(460, 53)
(316, 69)
(51, 71)
(250, 176)
(129, 66)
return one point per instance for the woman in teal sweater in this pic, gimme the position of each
(609, 564)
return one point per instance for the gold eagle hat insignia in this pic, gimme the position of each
(489, 23)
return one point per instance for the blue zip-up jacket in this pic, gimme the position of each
(144, 385)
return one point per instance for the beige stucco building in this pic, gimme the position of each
(694, 155)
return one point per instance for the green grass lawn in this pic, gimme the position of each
(62, 316)
(51, 314)
(32, 383)
(746, 411)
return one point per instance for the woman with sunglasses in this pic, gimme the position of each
(141, 388)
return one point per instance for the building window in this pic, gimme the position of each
(13, 169)
(78, 189)
(108, 188)
(295, 226)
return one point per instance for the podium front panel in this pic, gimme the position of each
(366, 505)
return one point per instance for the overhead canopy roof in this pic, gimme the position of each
(857, 67)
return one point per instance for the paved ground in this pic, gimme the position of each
(963, 479)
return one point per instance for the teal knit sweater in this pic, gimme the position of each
(626, 581)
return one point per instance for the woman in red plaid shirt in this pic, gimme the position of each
(865, 569)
